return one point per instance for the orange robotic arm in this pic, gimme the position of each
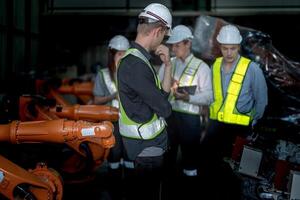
(87, 112)
(84, 88)
(98, 136)
(40, 183)
(43, 87)
(31, 110)
(83, 91)
(59, 99)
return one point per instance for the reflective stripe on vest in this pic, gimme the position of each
(131, 129)
(186, 79)
(226, 111)
(110, 85)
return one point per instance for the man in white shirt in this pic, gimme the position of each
(184, 126)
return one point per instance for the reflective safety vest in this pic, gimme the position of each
(110, 85)
(187, 79)
(225, 110)
(129, 128)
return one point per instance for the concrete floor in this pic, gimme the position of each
(107, 187)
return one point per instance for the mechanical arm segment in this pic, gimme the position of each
(30, 109)
(40, 183)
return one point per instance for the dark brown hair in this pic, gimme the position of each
(111, 62)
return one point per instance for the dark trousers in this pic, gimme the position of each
(184, 131)
(117, 151)
(115, 175)
(145, 180)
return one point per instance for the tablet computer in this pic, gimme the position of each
(189, 89)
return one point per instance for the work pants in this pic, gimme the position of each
(145, 180)
(116, 162)
(184, 131)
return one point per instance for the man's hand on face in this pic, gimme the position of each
(163, 52)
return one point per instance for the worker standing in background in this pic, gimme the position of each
(144, 102)
(240, 97)
(184, 126)
(105, 93)
(105, 90)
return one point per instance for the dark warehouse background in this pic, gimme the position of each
(42, 39)
(41, 35)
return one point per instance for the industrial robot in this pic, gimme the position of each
(87, 139)
(34, 108)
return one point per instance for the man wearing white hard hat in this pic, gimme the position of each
(240, 97)
(184, 126)
(144, 100)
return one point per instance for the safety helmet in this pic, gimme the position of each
(119, 42)
(158, 12)
(180, 33)
(229, 34)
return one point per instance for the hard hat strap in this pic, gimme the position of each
(157, 17)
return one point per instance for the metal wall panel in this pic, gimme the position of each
(19, 54)
(2, 12)
(2, 55)
(143, 3)
(81, 4)
(254, 3)
(35, 16)
(89, 3)
(19, 14)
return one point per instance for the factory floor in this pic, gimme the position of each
(105, 186)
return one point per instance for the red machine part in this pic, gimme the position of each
(40, 183)
(98, 136)
(84, 88)
(43, 89)
(93, 113)
(83, 91)
(41, 112)
(52, 178)
(87, 112)
(59, 99)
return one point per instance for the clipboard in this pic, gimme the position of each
(189, 89)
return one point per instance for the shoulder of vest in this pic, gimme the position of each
(218, 58)
(103, 70)
(243, 57)
(198, 59)
(130, 50)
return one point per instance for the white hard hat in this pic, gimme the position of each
(180, 33)
(119, 42)
(229, 34)
(158, 12)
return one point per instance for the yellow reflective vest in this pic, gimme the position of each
(224, 109)
(129, 128)
(110, 85)
(187, 79)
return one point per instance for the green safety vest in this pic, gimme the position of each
(186, 79)
(110, 85)
(225, 110)
(131, 129)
